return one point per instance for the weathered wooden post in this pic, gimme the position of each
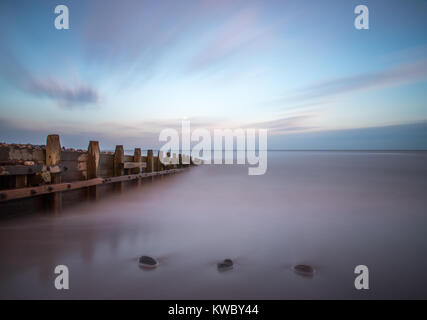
(168, 160)
(174, 161)
(119, 156)
(92, 167)
(150, 161)
(137, 158)
(53, 158)
(184, 160)
(159, 166)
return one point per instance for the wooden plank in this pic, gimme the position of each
(106, 165)
(67, 155)
(74, 164)
(20, 170)
(21, 181)
(15, 153)
(127, 158)
(133, 165)
(13, 194)
(46, 189)
(25, 170)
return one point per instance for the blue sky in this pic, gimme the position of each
(127, 69)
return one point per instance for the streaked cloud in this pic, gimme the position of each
(395, 76)
(408, 136)
(239, 31)
(285, 125)
(66, 96)
(392, 137)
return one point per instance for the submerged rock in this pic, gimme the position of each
(304, 270)
(227, 264)
(148, 262)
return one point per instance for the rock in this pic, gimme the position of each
(45, 176)
(304, 270)
(148, 262)
(226, 265)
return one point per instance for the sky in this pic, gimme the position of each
(127, 69)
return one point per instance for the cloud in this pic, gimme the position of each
(284, 125)
(396, 76)
(137, 39)
(238, 31)
(67, 97)
(409, 136)
(74, 135)
(77, 134)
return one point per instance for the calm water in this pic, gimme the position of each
(332, 210)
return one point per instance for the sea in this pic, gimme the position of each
(333, 211)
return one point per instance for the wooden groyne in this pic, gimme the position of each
(48, 172)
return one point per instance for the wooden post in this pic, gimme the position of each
(180, 160)
(137, 158)
(149, 161)
(169, 159)
(159, 166)
(92, 167)
(118, 161)
(119, 155)
(53, 157)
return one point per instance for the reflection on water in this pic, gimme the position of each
(329, 210)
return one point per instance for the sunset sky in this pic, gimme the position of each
(127, 69)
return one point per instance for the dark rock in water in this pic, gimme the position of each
(227, 264)
(304, 270)
(148, 262)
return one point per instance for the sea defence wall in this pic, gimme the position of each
(44, 177)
